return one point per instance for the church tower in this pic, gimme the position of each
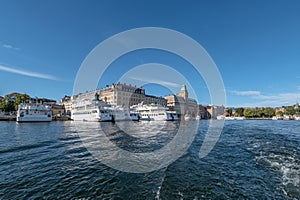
(183, 93)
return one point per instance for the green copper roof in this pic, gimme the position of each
(183, 88)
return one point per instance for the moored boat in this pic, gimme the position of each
(277, 118)
(34, 113)
(152, 112)
(88, 110)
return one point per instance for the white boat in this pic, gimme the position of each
(88, 110)
(198, 117)
(172, 116)
(229, 118)
(297, 117)
(134, 116)
(187, 117)
(118, 113)
(151, 112)
(34, 113)
(277, 118)
(220, 117)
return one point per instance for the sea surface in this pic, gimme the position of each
(251, 160)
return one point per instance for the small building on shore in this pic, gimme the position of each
(215, 111)
(58, 110)
(66, 102)
(203, 113)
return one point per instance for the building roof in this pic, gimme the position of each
(183, 88)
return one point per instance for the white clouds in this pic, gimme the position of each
(27, 73)
(9, 46)
(263, 100)
(160, 82)
(246, 93)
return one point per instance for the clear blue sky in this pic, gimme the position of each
(255, 44)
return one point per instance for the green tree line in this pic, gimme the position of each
(10, 102)
(262, 112)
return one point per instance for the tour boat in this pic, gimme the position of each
(34, 113)
(134, 116)
(152, 112)
(172, 116)
(95, 110)
(118, 113)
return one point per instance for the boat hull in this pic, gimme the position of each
(34, 119)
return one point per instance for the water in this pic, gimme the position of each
(252, 160)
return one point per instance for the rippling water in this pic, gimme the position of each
(252, 160)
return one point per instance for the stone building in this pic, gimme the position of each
(58, 110)
(203, 113)
(215, 111)
(181, 103)
(149, 99)
(66, 102)
(121, 94)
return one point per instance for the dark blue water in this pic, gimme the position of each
(252, 160)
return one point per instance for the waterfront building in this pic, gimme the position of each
(58, 110)
(203, 113)
(124, 95)
(149, 99)
(44, 101)
(66, 102)
(215, 111)
(181, 103)
(282, 109)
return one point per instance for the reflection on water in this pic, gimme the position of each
(251, 160)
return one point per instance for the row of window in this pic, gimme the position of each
(152, 114)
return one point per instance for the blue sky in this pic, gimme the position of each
(255, 45)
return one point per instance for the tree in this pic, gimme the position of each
(11, 101)
(240, 112)
(228, 112)
(269, 112)
(289, 110)
(258, 112)
(279, 113)
(7, 104)
(236, 114)
(248, 113)
(21, 98)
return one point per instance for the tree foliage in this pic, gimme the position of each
(279, 113)
(248, 113)
(11, 101)
(7, 105)
(228, 112)
(259, 112)
(240, 112)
